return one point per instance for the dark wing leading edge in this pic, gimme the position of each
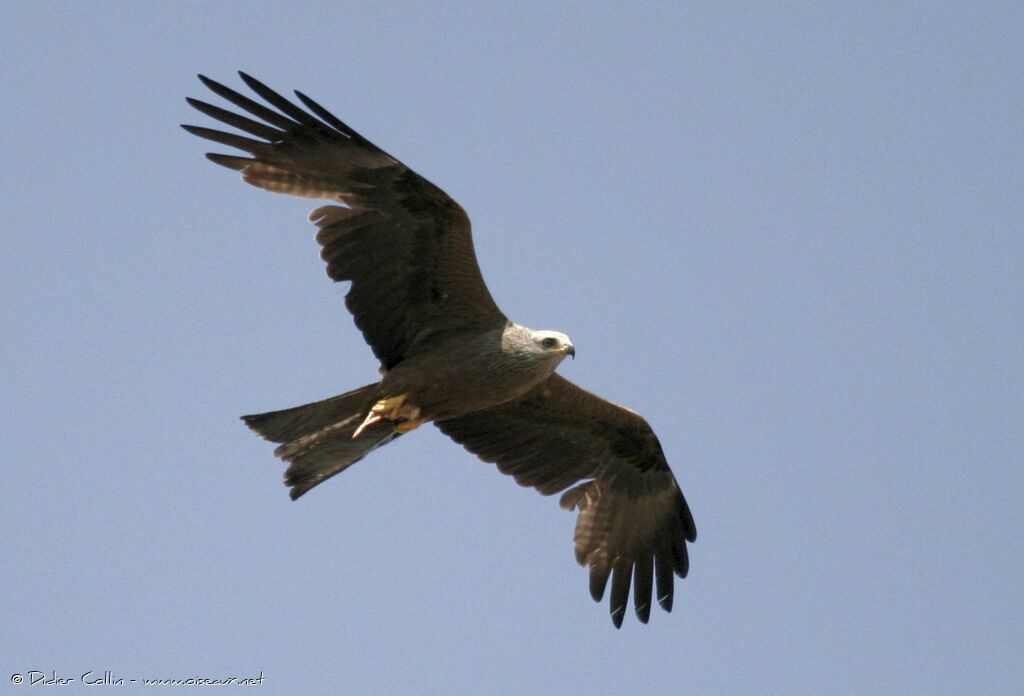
(404, 244)
(633, 523)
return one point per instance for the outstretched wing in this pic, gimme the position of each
(633, 523)
(404, 244)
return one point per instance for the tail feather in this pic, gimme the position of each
(293, 423)
(316, 439)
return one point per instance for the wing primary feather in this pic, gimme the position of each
(229, 161)
(256, 128)
(598, 580)
(684, 562)
(331, 119)
(620, 591)
(663, 574)
(244, 102)
(689, 527)
(280, 102)
(230, 139)
(643, 579)
(680, 559)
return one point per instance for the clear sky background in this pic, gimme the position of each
(790, 235)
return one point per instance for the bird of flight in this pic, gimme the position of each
(448, 355)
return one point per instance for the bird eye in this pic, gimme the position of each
(549, 342)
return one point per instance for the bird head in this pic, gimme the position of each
(553, 343)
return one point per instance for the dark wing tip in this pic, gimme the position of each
(283, 105)
(194, 130)
(333, 120)
(618, 613)
(213, 85)
(619, 600)
(251, 81)
(598, 582)
(229, 161)
(643, 612)
(643, 583)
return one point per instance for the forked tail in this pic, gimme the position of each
(316, 439)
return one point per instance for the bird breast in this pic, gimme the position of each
(468, 373)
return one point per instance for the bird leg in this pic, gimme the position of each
(407, 425)
(392, 408)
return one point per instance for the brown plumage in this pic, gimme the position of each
(448, 354)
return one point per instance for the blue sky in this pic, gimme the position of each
(790, 235)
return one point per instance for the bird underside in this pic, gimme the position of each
(393, 409)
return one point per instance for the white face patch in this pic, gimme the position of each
(552, 342)
(543, 345)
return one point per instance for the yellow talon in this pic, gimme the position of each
(389, 406)
(395, 409)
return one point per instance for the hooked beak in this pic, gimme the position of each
(570, 350)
